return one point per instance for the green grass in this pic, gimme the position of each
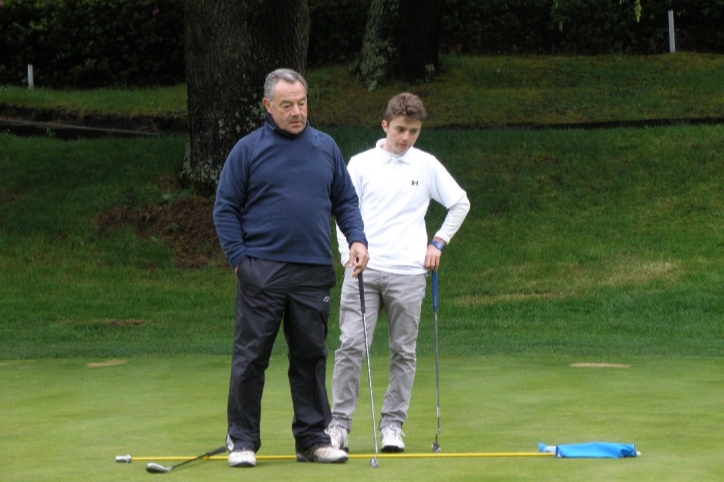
(65, 420)
(163, 101)
(581, 242)
(543, 90)
(599, 246)
(469, 91)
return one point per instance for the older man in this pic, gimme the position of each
(278, 190)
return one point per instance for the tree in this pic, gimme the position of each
(401, 40)
(230, 47)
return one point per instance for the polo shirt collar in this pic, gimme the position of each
(389, 157)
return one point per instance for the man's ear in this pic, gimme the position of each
(267, 104)
(384, 125)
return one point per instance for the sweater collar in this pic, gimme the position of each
(270, 120)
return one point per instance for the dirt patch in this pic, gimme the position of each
(599, 365)
(109, 363)
(184, 223)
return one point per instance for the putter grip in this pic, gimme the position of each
(434, 291)
(361, 292)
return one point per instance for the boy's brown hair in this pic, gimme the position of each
(406, 105)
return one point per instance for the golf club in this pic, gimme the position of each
(374, 462)
(153, 468)
(435, 445)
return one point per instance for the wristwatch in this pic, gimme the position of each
(437, 244)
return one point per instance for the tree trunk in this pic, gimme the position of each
(418, 39)
(231, 45)
(378, 49)
(402, 40)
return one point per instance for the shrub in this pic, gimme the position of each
(92, 43)
(336, 30)
(99, 43)
(586, 26)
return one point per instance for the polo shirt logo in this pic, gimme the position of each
(415, 183)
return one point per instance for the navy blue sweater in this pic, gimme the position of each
(277, 193)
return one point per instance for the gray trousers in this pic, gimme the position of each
(400, 296)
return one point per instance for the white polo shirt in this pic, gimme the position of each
(394, 193)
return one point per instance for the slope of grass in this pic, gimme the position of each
(469, 91)
(578, 242)
(164, 101)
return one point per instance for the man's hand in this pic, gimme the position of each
(432, 258)
(358, 257)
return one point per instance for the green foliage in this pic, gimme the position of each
(101, 43)
(336, 30)
(92, 43)
(580, 26)
(538, 27)
(557, 11)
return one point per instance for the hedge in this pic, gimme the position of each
(89, 43)
(92, 43)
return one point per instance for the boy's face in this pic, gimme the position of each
(401, 134)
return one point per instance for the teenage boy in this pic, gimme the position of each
(395, 183)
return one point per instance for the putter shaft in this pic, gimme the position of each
(374, 462)
(436, 445)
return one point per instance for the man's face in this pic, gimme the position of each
(402, 134)
(288, 107)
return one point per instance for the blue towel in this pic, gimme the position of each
(593, 450)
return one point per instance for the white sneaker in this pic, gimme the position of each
(392, 439)
(323, 454)
(338, 435)
(242, 458)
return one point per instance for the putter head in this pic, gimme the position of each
(153, 468)
(436, 448)
(374, 463)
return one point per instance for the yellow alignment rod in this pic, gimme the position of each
(365, 456)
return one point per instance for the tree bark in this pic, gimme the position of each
(231, 45)
(378, 50)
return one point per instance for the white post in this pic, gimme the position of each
(30, 76)
(672, 43)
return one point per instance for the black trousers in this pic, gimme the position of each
(267, 293)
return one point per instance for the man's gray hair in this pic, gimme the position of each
(287, 75)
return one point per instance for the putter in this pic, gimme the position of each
(435, 445)
(153, 468)
(374, 463)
